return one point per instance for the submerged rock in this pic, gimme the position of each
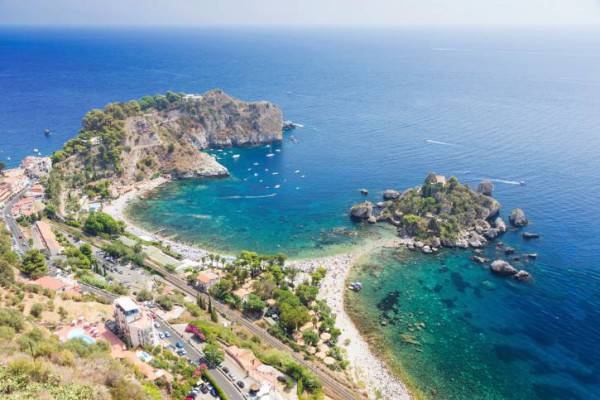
(479, 259)
(503, 268)
(523, 276)
(518, 218)
(530, 235)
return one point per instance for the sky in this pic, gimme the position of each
(298, 12)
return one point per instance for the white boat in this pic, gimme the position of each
(270, 155)
(278, 150)
(297, 171)
(275, 173)
(255, 163)
(276, 186)
(235, 156)
(256, 174)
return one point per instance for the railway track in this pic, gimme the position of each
(332, 387)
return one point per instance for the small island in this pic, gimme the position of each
(443, 213)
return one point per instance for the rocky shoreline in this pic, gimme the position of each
(427, 219)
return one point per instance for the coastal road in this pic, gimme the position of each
(331, 386)
(231, 391)
(20, 242)
(336, 389)
(228, 387)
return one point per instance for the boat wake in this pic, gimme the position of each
(505, 181)
(248, 197)
(438, 142)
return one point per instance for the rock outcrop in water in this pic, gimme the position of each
(518, 218)
(438, 213)
(129, 142)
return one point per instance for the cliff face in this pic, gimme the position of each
(129, 142)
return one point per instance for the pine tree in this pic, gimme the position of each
(200, 302)
(213, 315)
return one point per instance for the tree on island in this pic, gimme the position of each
(2, 166)
(34, 264)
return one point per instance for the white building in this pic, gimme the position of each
(136, 327)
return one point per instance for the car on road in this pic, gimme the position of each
(240, 384)
(160, 335)
(179, 344)
(167, 334)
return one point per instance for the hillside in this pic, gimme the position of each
(130, 142)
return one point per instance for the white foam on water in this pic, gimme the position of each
(439, 142)
(248, 197)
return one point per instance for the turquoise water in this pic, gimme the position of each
(380, 109)
(268, 205)
(481, 339)
(78, 333)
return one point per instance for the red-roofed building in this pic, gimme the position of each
(49, 282)
(46, 239)
(205, 280)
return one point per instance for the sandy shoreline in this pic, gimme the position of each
(117, 207)
(364, 366)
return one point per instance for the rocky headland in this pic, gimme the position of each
(443, 213)
(127, 143)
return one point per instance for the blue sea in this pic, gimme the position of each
(380, 109)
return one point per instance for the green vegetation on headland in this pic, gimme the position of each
(128, 142)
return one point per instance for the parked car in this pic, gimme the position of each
(179, 344)
(167, 334)
(240, 384)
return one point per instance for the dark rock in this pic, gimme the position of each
(523, 276)
(518, 218)
(503, 268)
(491, 234)
(362, 211)
(486, 188)
(530, 235)
(509, 250)
(447, 243)
(391, 195)
(435, 242)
